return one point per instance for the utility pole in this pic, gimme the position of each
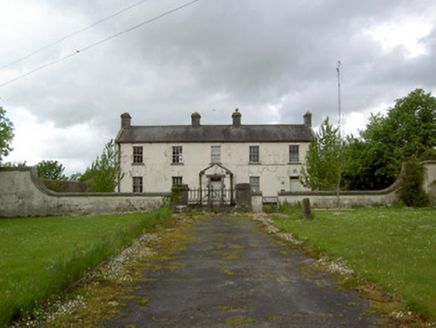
(338, 69)
(338, 187)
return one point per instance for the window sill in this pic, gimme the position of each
(290, 163)
(137, 164)
(254, 163)
(177, 164)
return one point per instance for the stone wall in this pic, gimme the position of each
(22, 194)
(347, 199)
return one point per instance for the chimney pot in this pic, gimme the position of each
(308, 119)
(236, 118)
(195, 117)
(125, 120)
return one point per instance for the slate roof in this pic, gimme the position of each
(215, 133)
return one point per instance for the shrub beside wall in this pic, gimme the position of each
(411, 191)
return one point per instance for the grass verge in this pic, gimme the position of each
(393, 248)
(41, 257)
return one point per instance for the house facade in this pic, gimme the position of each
(213, 157)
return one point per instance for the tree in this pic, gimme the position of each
(324, 160)
(6, 134)
(13, 164)
(407, 132)
(51, 170)
(104, 173)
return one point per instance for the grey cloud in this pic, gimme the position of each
(215, 56)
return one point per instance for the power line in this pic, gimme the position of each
(72, 34)
(98, 43)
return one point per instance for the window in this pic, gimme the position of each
(254, 154)
(177, 181)
(177, 154)
(294, 184)
(255, 184)
(137, 155)
(137, 184)
(215, 152)
(294, 153)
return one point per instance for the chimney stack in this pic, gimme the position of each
(308, 119)
(236, 118)
(195, 119)
(125, 120)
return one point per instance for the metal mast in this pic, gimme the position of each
(338, 69)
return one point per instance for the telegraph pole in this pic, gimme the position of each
(338, 69)
(338, 187)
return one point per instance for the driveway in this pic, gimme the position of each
(233, 273)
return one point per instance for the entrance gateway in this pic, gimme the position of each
(215, 187)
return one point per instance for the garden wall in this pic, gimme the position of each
(347, 199)
(22, 194)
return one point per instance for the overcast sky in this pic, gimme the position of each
(272, 59)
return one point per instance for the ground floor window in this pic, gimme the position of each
(255, 184)
(177, 181)
(294, 184)
(137, 184)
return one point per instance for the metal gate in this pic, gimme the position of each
(211, 196)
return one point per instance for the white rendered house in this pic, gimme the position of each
(213, 157)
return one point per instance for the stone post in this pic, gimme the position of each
(180, 196)
(243, 197)
(306, 209)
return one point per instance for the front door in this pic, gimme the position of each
(216, 189)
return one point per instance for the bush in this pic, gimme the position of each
(411, 192)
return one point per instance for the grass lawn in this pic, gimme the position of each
(394, 248)
(42, 256)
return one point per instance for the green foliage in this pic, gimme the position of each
(406, 132)
(51, 170)
(13, 164)
(41, 257)
(411, 192)
(324, 159)
(104, 173)
(6, 134)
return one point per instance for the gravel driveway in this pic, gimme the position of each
(233, 273)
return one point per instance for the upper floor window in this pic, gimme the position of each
(138, 155)
(294, 153)
(137, 184)
(177, 181)
(254, 154)
(215, 154)
(255, 183)
(177, 154)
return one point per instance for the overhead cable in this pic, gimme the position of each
(72, 34)
(79, 51)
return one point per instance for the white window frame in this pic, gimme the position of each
(137, 184)
(294, 153)
(138, 155)
(294, 183)
(255, 183)
(177, 155)
(253, 154)
(177, 180)
(215, 154)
